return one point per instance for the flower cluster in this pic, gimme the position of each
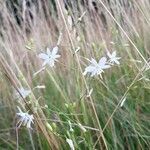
(97, 68)
(50, 57)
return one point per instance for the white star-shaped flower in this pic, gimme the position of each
(50, 57)
(96, 68)
(25, 119)
(112, 58)
(24, 93)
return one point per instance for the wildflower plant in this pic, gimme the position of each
(97, 68)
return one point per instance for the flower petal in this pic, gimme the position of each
(106, 66)
(117, 62)
(93, 61)
(45, 62)
(51, 63)
(48, 51)
(55, 50)
(56, 56)
(102, 61)
(43, 56)
(114, 54)
(108, 54)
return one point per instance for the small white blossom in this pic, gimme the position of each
(96, 68)
(112, 58)
(24, 118)
(50, 57)
(24, 93)
(70, 142)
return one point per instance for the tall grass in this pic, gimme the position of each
(115, 115)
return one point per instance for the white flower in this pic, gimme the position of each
(24, 118)
(70, 142)
(24, 93)
(96, 68)
(50, 57)
(112, 58)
